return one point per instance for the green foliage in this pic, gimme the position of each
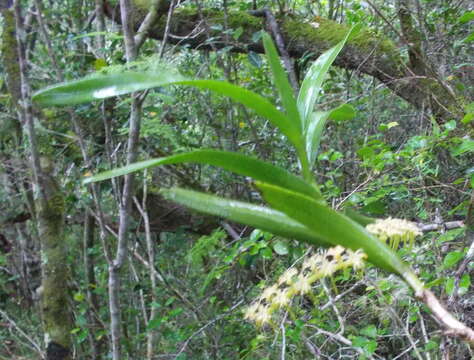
(389, 160)
(302, 128)
(204, 246)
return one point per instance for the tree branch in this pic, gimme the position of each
(367, 52)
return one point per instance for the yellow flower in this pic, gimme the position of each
(302, 284)
(287, 276)
(251, 312)
(327, 268)
(394, 230)
(269, 292)
(262, 316)
(355, 259)
(282, 298)
(335, 253)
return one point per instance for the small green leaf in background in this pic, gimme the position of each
(369, 331)
(342, 113)
(466, 17)
(255, 59)
(99, 63)
(79, 297)
(266, 253)
(384, 127)
(431, 345)
(280, 247)
(237, 33)
(452, 259)
(368, 345)
(258, 235)
(464, 284)
(469, 38)
(449, 286)
(467, 118)
(450, 125)
(466, 146)
(154, 323)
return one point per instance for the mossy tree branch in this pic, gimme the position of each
(367, 53)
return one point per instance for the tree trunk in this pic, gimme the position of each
(55, 274)
(49, 199)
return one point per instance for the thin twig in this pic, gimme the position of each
(35, 346)
(280, 43)
(167, 29)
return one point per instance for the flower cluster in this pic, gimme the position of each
(395, 231)
(293, 282)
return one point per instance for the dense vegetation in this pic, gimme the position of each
(185, 190)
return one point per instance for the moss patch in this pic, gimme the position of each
(330, 32)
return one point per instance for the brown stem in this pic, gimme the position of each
(453, 327)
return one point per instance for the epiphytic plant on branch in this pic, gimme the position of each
(295, 207)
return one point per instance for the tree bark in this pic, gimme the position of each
(367, 53)
(49, 207)
(125, 206)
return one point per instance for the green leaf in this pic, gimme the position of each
(369, 331)
(235, 162)
(313, 134)
(331, 226)
(358, 218)
(317, 124)
(469, 38)
(449, 285)
(281, 81)
(467, 118)
(466, 146)
(79, 297)
(103, 86)
(255, 59)
(464, 284)
(343, 113)
(311, 86)
(245, 213)
(255, 102)
(466, 17)
(452, 259)
(281, 248)
(154, 323)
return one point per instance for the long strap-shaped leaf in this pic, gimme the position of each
(317, 124)
(259, 104)
(235, 162)
(280, 79)
(249, 214)
(103, 86)
(332, 226)
(314, 133)
(109, 85)
(311, 86)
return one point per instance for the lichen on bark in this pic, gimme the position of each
(55, 277)
(11, 125)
